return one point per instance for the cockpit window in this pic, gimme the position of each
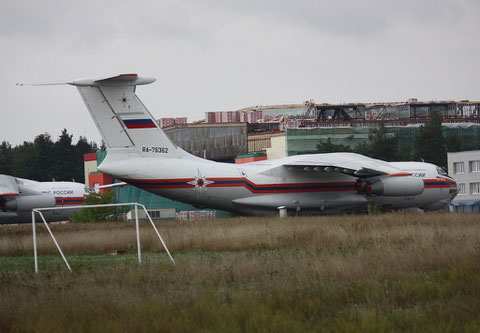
(441, 172)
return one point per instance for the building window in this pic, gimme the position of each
(458, 167)
(461, 188)
(474, 166)
(475, 188)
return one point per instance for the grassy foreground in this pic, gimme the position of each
(393, 272)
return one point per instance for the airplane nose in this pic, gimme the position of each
(453, 190)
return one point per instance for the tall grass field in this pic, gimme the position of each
(391, 272)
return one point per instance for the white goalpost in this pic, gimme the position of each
(39, 211)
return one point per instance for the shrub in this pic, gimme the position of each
(98, 214)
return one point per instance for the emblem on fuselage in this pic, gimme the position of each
(200, 183)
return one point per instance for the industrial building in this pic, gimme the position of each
(218, 142)
(304, 140)
(244, 116)
(304, 126)
(167, 122)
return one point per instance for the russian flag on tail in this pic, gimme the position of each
(139, 123)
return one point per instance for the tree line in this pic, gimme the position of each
(430, 145)
(45, 160)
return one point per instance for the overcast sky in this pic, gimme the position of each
(217, 55)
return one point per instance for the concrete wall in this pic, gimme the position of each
(278, 148)
(89, 165)
(260, 142)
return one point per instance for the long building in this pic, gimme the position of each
(355, 114)
(304, 126)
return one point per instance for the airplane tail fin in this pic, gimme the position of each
(121, 118)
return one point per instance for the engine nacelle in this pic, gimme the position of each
(391, 186)
(29, 202)
(396, 186)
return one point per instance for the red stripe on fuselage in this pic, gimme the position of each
(162, 183)
(436, 183)
(236, 182)
(243, 182)
(69, 201)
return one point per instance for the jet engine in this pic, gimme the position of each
(27, 203)
(392, 186)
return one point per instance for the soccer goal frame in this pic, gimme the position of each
(137, 227)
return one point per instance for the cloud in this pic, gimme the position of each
(98, 22)
(346, 18)
(222, 54)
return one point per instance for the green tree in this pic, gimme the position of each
(5, 158)
(383, 146)
(430, 144)
(406, 153)
(330, 147)
(43, 146)
(44, 160)
(98, 214)
(454, 143)
(23, 161)
(63, 158)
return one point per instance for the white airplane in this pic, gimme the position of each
(19, 196)
(140, 154)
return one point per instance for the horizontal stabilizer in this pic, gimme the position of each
(114, 80)
(112, 185)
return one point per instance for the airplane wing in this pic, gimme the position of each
(8, 186)
(376, 177)
(348, 163)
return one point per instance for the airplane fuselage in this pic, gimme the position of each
(33, 194)
(261, 187)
